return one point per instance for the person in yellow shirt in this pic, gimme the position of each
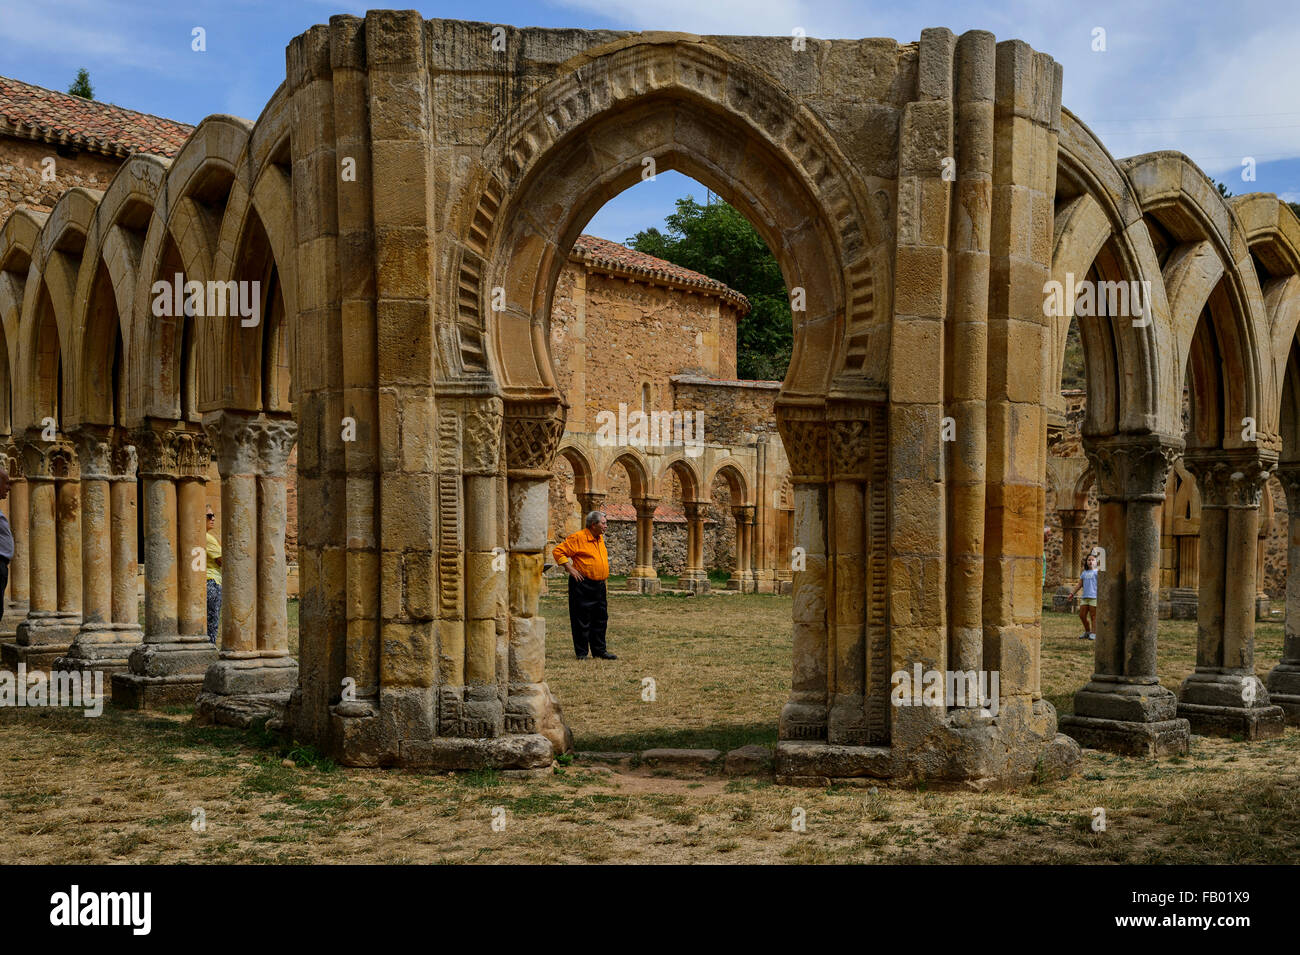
(584, 558)
(214, 579)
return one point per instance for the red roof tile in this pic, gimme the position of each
(33, 112)
(602, 252)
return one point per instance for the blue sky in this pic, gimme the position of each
(1189, 76)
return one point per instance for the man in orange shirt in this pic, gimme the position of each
(584, 558)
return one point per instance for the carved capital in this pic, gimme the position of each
(275, 444)
(695, 510)
(481, 436)
(48, 460)
(172, 452)
(1288, 474)
(645, 507)
(235, 437)
(744, 513)
(1229, 479)
(13, 461)
(1132, 467)
(532, 433)
(803, 431)
(95, 451)
(849, 441)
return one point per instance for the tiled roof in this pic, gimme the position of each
(619, 258)
(33, 112)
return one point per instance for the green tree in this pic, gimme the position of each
(719, 242)
(1295, 207)
(81, 85)
(1223, 190)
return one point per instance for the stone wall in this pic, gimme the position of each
(731, 408)
(21, 172)
(641, 333)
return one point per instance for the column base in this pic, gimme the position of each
(803, 721)
(1183, 602)
(643, 585)
(1129, 737)
(39, 657)
(104, 646)
(1061, 600)
(1283, 685)
(1263, 607)
(696, 585)
(49, 628)
(1248, 722)
(1125, 702)
(236, 692)
(1215, 704)
(164, 674)
(14, 614)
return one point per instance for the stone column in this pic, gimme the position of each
(738, 574)
(804, 717)
(168, 668)
(1072, 522)
(644, 578)
(122, 491)
(1283, 681)
(15, 598)
(255, 674)
(1223, 696)
(104, 641)
(51, 625)
(695, 578)
(847, 569)
(1124, 708)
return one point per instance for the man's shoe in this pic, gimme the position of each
(604, 656)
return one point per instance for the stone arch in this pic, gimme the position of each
(182, 237)
(584, 472)
(106, 287)
(46, 329)
(739, 481)
(1099, 224)
(567, 153)
(687, 472)
(19, 239)
(634, 463)
(1210, 267)
(255, 244)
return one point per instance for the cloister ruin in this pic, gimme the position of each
(406, 201)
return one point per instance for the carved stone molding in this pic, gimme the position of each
(849, 444)
(172, 452)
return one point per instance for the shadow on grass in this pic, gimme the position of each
(723, 737)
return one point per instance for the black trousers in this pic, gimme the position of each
(4, 581)
(588, 616)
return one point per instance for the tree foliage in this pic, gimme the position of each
(81, 85)
(719, 242)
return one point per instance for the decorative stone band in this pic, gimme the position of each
(1132, 467)
(1230, 479)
